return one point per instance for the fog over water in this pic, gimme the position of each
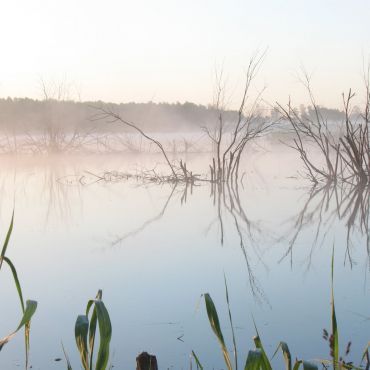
(157, 158)
(154, 249)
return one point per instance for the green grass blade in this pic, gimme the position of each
(254, 360)
(27, 330)
(334, 326)
(231, 324)
(81, 330)
(7, 238)
(297, 365)
(92, 329)
(215, 325)
(69, 366)
(199, 365)
(19, 290)
(90, 303)
(18, 286)
(16, 280)
(265, 361)
(26, 318)
(286, 354)
(31, 307)
(365, 354)
(105, 330)
(92, 332)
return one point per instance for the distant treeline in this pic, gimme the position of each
(20, 115)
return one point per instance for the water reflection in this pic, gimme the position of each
(28, 183)
(120, 239)
(226, 198)
(171, 243)
(60, 187)
(323, 208)
(227, 202)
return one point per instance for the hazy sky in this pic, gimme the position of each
(166, 50)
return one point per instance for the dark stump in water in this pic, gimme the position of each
(145, 361)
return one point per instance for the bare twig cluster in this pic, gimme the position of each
(178, 172)
(111, 116)
(231, 138)
(345, 156)
(147, 176)
(355, 143)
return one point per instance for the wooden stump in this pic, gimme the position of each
(145, 361)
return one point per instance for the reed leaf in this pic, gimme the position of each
(85, 333)
(92, 329)
(81, 331)
(26, 318)
(215, 325)
(16, 280)
(286, 354)
(3, 258)
(258, 343)
(231, 325)
(254, 360)
(365, 356)
(199, 365)
(105, 331)
(334, 327)
(7, 238)
(27, 329)
(69, 366)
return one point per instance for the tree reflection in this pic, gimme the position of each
(323, 208)
(226, 198)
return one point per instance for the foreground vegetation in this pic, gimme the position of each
(257, 358)
(27, 309)
(96, 317)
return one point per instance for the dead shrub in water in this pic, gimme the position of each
(230, 139)
(346, 156)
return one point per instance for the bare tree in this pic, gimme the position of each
(111, 116)
(55, 137)
(231, 139)
(344, 157)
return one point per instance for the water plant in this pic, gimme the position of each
(85, 335)
(257, 358)
(28, 309)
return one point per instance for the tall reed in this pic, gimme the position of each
(85, 335)
(257, 358)
(28, 309)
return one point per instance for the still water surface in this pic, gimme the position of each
(154, 250)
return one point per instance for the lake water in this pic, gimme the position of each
(154, 250)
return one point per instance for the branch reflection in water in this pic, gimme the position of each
(324, 207)
(226, 199)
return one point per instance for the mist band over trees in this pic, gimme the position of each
(23, 116)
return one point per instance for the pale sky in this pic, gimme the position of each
(166, 50)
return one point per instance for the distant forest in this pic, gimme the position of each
(23, 115)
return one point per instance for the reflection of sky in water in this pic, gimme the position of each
(171, 254)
